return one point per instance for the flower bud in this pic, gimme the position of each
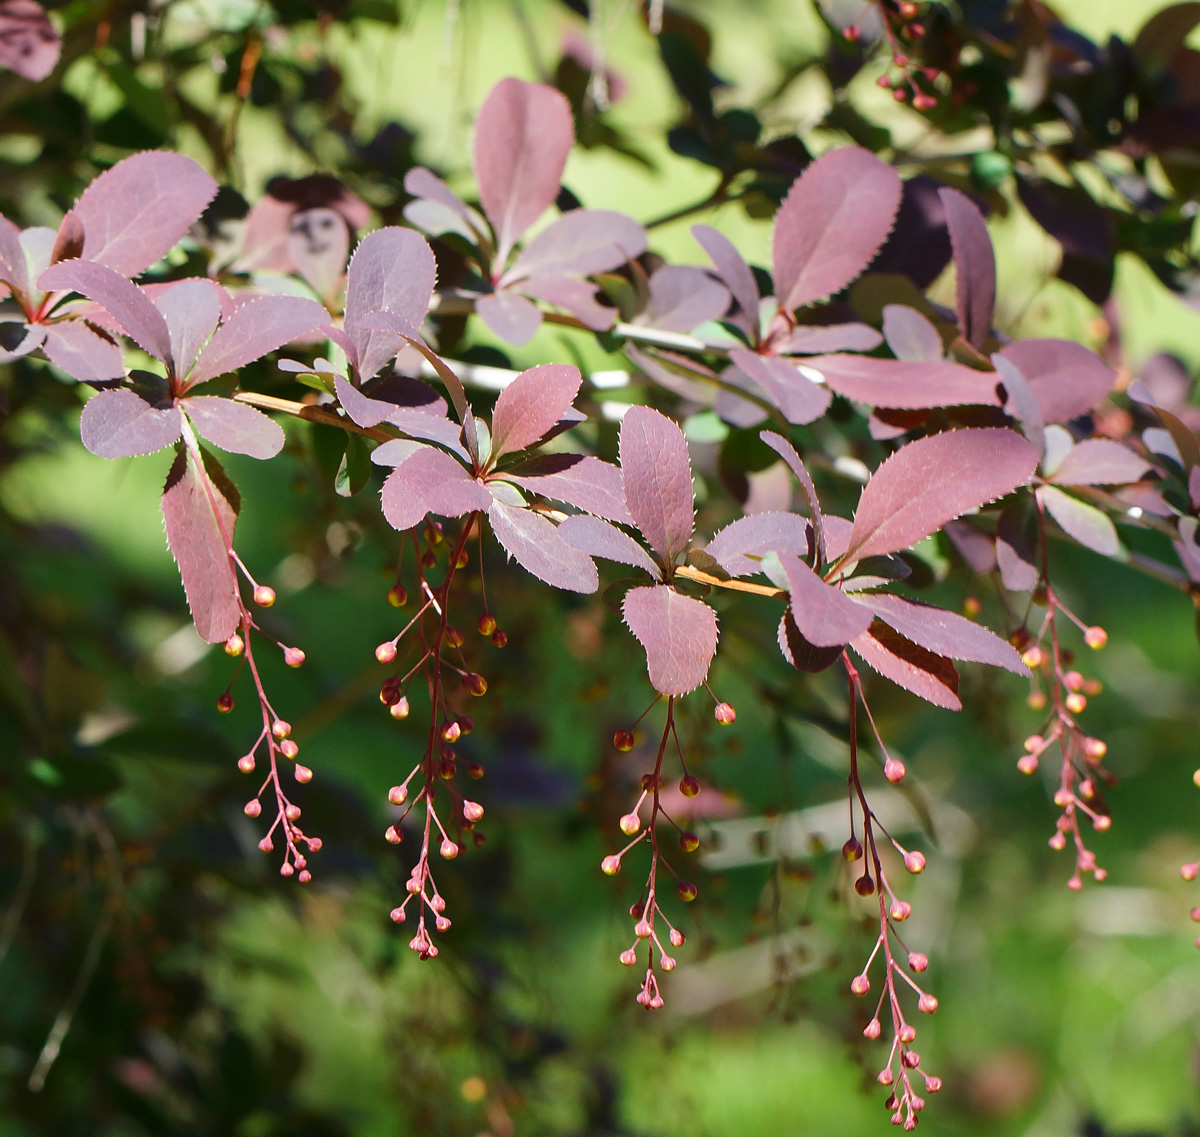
(398, 915)
(500, 638)
(901, 910)
(246, 763)
(472, 811)
(852, 850)
(914, 862)
(475, 771)
(885, 1077)
(303, 774)
(1073, 681)
(911, 1059)
(1035, 744)
(451, 731)
(454, 638)
(1027, 764)
(398, 795)
(851, 34)
(872, 1030)
(385, 652)
(865, 885)
(392, 835)
(253, 808)
(628, 957)
(225, 703)
(623, 740)
(724, 714)
(293, 656)
(1058, 842)
(399, 709)
(235, 645)
(883, 81)
(292, 813)
(689, 786)
(860, 985)
(893, 770)
(676, 937)
(1075, 703)
(288, 748)
(1036, 700)
(314, 844)
(918, 961)
(264, 596)
(924, 102)
(611, 865)
(442, 923)
(281, 729)
(630, 823)
(907, 1033)
(1034, 657)
(486, 624)
(687, 891)
(667, 963)
(397, 596)
(689, 842)
(932, 1085)
(448, 849)
(1095, 749)
(642, 929)
(1095, 637)
(1101, 822)
(475, 683)
(266, 845)
(304, 877)
(286, 869)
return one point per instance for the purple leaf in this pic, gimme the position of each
(33, 338)
(800, 399)
(430, 482)
(258, 327)
(582, 481)
(657, 476)
(533, 542)
(1022, 401)
(1016, 549)
(813, 339)
(136, 212)
(13, 269)
(127, 303)
(68, 241)
(922, 672)
(824, 615)
(29, 45)
(392, 270)
(1099, 462)
(395, 452)
(121, 424)
(944, 633)
(919, 245)
(892, 383)
(574, 296)
(933, 480)
(523, 134)
(437, 209)
(672, 371)
(911, 337)
(787, 452)
(200, 520)
(757, 535)
(833, 221)
(390, 322)
(799, 652)
(682, 298)
(580, 243)
(83, 354)
(437, 428)
(1067, 379)
(600, 539)
(234, 427)
(531, 404)
(192, 310)
(1085, 523)
(513, 318)
(976, 548)
(678, 633)
(737, 275)
(363, 411)
(974, 266)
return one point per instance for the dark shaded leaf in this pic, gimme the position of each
(121, 424)
(922, 672)
(1022, 401)
(678, 633)
(200, 520)
(833, 221)
(824, 615)
(534, 543)
(68, 242)
(787, 452)
(933, 480)
(13, 270)
(974, 266)
(656, 474)
(802, 655)
(1016, 549)
(919, 244)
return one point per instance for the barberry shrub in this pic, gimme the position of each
(788, 493)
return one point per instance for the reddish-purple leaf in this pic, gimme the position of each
(13, 270)
(396, 451)
(1016, 549)
(83, 354)
(432, 427)
(127, 303)
(737, 275)
(787, 452)
(657, 476)
(136, 212)
(892, 383)
(200, 520)
(392, 270)
(1085, 523)
(682, 298)
(580, 243)
(68, 241)
(234, 427)
(976, 548)
(824, 615)
(430, 482)
(121, 424)
(678, 633)
(513, 318)
(974, 266)
(437, 209)
(799, 652)
(922, 672)
(258, 327)
(363, 411)
(600, 539)
(833, 221)
(1099, 462)
(574, 296)
(533, 542)
(911, 337)
(531, 404)
(933, 480)
(813, 339)
(192, 310)
(582, 481)
(801, 400)
(944, 633)
(29, 45)
(1067, 379)
(523, 134)
(1022, 401)
(740, 546)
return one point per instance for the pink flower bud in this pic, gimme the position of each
(642, 929)
(448, 849)
(286, 869)
(1027, 764)
(288, 748)
(901, 910)
(292, 813)
(304, 877)
(893, 770)
(687, 891)
(1035, 744)
(1062, 798)
(303, 774)
(927, 1004)
(724, 714)
(1101, 822)
(860, 985)
(914, 862)
(392, 835)
(442, 923)
(314, 844)
(611, 865)
(689, 786)
(667, 963)
(911, 1059)
(246, 764)
(918, 961)
(385, 652)
(676, 937)
(264, 596)
(1073, 681)
(628, 957)
(1095, 637)
(630, 823)
(872, 1030)
(1095, 748)
(451, 731)
(398, 915)
(253, 808)
(885, 1077)
(399, 709)
(472, 811)
(293, 656)
(924, 102)
(235, 645)
(266, 845)
(907, 1033)
(1058, 842)
(281, 729)
(1075, 703)
(932, 1085)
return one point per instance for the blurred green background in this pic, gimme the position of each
(210, 997)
